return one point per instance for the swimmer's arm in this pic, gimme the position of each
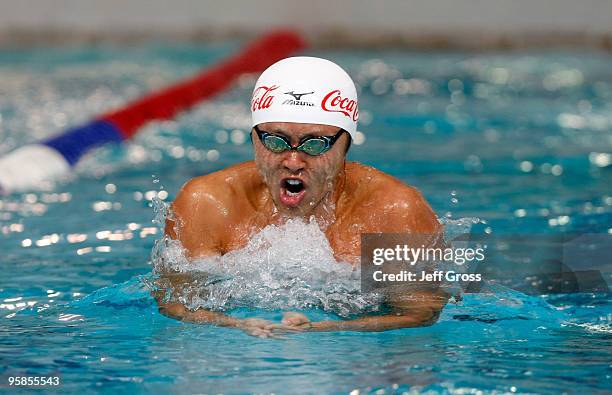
(192, 221)
(371, 324)
(421, 309)
(197, 219)
(179, 312)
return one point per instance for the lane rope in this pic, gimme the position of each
(27, 167)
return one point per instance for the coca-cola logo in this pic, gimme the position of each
(334, 102)
(262, 98)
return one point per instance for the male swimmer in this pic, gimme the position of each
(304, 117)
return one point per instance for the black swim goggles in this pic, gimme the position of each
(312, 146)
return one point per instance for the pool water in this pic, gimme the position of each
(504, 142)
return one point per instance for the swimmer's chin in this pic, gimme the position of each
(304, 211)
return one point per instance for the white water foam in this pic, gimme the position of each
(290, 266)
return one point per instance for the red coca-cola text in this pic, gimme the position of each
(334, 102)
(262, 98)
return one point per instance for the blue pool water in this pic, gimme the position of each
(508, 142)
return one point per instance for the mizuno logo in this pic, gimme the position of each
(298, 96)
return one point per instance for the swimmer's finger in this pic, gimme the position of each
(284, 328)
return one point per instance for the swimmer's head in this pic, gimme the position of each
(296, 99)
(305, 89)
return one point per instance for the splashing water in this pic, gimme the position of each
(289, 266)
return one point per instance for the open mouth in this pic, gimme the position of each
(292, 191)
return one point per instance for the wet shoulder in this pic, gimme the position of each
(399, 206)
(369, 183)
(226, 181)
(218, 190)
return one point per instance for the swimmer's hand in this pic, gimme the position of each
(255, 327)
(264, 328)
(295, 319)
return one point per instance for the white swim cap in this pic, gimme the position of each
(304, 89)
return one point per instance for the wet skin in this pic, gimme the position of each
(219, 212)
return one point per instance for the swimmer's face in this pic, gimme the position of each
(299, 183)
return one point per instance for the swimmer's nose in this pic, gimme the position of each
(294, 162)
